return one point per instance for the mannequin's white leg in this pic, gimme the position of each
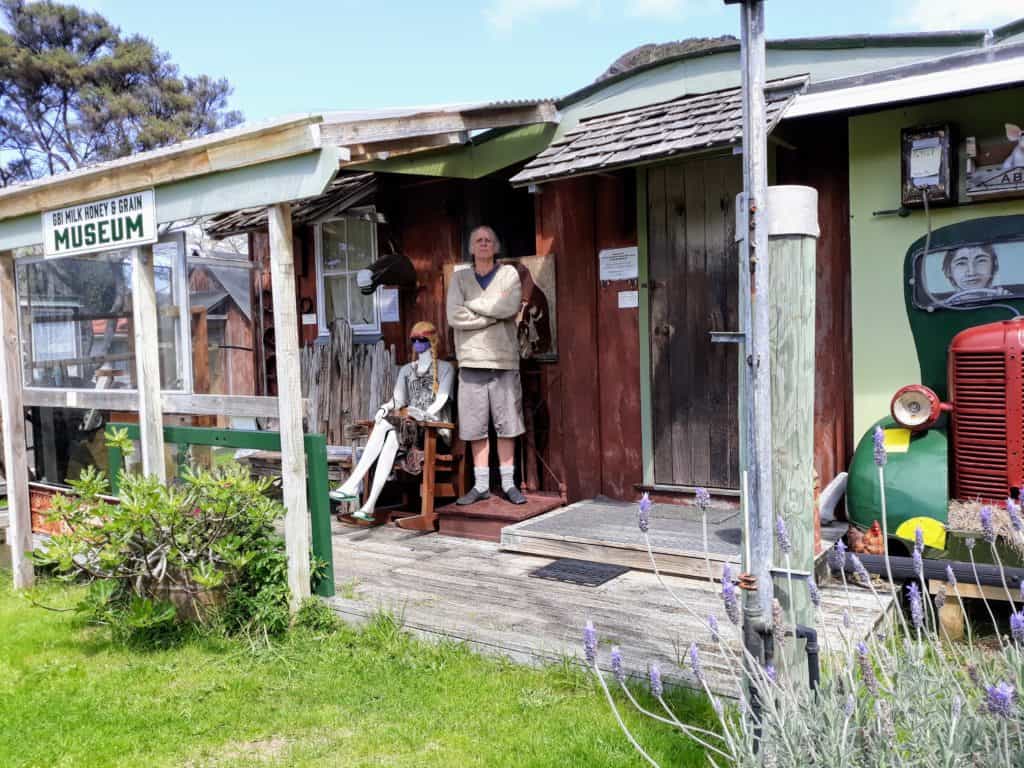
(385, 462)
(374, 444)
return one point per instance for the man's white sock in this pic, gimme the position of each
(482, 476)
(507, 478)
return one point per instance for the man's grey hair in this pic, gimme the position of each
(472, 234)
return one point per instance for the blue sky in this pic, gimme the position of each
(303, 56)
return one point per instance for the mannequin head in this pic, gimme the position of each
(425, 331)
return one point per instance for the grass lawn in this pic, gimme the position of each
(71, 697)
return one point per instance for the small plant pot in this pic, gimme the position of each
(191, 603)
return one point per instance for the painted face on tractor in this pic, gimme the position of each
(970, 268)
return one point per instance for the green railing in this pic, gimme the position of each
(316, 476)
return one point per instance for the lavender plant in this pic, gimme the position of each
(890, 699)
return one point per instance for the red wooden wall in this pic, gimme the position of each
(592, 393)
(821, 160)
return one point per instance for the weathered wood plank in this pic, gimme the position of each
(12, 414)
(289, 387)
(660, 286)
(691, 427)
(147, 363)
(250, 406)
(443, 588)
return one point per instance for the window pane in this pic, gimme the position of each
(76, 320)
(362, 306)
(337, 303)
(360, 244)
(334, 245)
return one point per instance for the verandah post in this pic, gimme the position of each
(147, 363)
(12, 410)
(289, 399)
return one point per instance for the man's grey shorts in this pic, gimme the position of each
(488, 393)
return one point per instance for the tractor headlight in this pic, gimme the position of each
(916, 407)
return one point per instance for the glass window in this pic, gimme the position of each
(345, 246)
(76, 320)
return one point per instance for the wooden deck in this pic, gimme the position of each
(606, 531)
(443, 587)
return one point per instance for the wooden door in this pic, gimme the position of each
(693, 258)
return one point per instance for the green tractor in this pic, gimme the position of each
(958, 435)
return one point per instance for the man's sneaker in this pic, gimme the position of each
(472, 497)
(515, 496)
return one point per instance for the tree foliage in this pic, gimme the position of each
(74, 90)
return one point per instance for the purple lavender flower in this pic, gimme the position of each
(860, 570)
(969, 542)
(695, 662)
(729, 596)
(867, 671)
(656, 687)
(972, 673)
(1000, 699)
(919, 538)
(958, 705)
(940, 596)
(590, 642)
(785, 545)
(713, 626)
(617, 670)
(1013, 509)
(918, 563)
(950, 576)
(846, 619)
(644, 514)
(771, 673)
(916, 609)
(703, 498)
(851, 705)
(813, 593)
(988, 532)
(1017, 626)
(881, 457)
(837, 556)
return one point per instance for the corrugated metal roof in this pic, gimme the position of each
(346, 190)
(653, 132)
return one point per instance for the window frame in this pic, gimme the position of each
(323, 331)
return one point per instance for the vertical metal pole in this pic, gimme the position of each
(755, 294)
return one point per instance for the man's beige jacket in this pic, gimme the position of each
(484, 321)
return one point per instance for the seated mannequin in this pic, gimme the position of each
(422, 393)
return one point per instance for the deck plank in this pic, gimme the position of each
(470, 591)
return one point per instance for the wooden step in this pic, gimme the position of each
(485, 519)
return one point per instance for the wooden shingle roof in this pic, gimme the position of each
(683, 125)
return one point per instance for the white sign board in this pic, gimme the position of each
(102, 225)
(618, 263)
(629, 299)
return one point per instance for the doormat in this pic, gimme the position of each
(582, 572)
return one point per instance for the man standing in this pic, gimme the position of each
(482, 306)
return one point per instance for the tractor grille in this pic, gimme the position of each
(981, 396)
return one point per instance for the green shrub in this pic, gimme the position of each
(204, 552)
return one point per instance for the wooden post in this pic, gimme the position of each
(147, 363)
(289, 398)
(793, 230)
(12, 410)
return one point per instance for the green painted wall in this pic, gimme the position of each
(883, 348)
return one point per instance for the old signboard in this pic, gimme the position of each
(100, 225)
(995, 167)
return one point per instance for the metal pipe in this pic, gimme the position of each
(812, 650)
(903, 569)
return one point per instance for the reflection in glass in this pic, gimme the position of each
(76, 320)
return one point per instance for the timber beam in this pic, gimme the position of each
(348, 133)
